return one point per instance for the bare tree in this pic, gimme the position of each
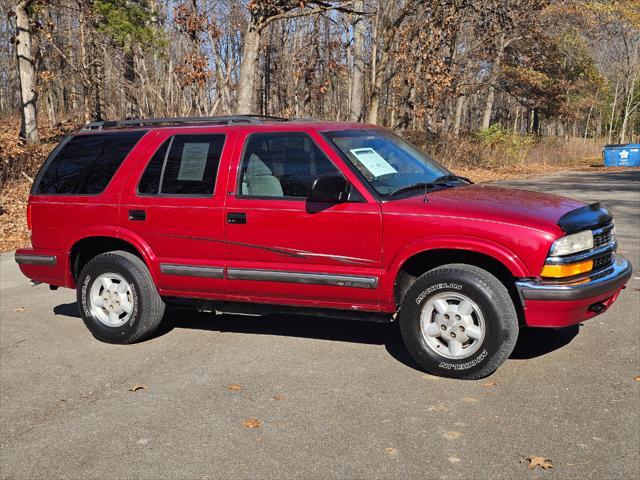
(357, 77)
(26, 72)
(262, 14)
(442, 66)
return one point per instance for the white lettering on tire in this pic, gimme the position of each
(85, 286)
(134, 298)
(437, 286)
(464, 366)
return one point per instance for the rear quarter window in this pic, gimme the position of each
(86, 163)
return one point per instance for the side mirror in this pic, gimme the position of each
(329, 189)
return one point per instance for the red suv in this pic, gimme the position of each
(258, 214)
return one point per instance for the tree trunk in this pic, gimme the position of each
(495, 70)
(613, 111)
(246, 87)
(409, 102)
(458, 115)
(98, 81)
(26, 73)
(629, 107)
(357, 79)
(536, 123)
(376, 77)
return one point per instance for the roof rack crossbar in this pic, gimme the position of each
(221, 120)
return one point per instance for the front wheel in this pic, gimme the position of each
(459, 321)
(117, 298)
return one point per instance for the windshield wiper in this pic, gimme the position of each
(438, 182)
(421, 185)
(448, 177)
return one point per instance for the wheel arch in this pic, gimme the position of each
(493, 258)
(85, 248)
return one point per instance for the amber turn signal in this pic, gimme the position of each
(569, 270)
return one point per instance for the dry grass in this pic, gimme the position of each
(18, 166)
(13, 221)
(480, 162)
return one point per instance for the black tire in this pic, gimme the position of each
(495, 305)
(148, 307)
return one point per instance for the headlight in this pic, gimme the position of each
(574, 243)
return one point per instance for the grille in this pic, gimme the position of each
(604, 238)
(603, 261)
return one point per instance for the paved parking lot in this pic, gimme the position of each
(335, 399)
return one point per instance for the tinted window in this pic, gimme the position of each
(86, 163)
(190, 167)
(150, 181)
(282, 165)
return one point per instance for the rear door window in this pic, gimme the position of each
(86, 163)
(183, 165)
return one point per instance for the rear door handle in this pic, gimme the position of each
(236, 217)
(137, 215)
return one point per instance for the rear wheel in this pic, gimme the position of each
(459, 321)
(117, 298)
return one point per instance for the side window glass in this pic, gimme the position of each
(150, 180)
(86, 163)
(282, 165)
(183, 165)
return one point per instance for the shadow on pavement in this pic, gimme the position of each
(532, 342)
(535, 342)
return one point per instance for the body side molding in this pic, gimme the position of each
(354, 281)
(192, 270)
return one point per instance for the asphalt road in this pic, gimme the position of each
(335, 399)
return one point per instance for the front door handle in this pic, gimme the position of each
(236, 217)
(137, 215)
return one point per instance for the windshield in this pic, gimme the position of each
(388, 163)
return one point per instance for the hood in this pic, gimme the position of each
(506, 205)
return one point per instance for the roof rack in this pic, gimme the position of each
(223, 120)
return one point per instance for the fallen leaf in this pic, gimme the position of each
(252, 423)
(454, 459)
(438, 408)
(390, 450)
(234, 387)
(637, 378)
(470, 399)
(21, 309)
(279, 397)
(535, 461)
(136, 387)
(451, 435)
(490, 384)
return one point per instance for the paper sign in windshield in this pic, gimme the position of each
(372, 161)
(194, 161)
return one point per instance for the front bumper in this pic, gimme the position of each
(560, 303)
